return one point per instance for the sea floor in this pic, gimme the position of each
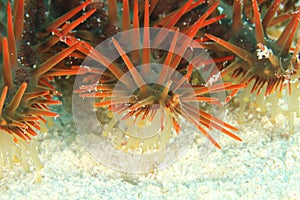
(266, 165)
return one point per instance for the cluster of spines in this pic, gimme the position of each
(145, 107)
(276, 74)
(26, 91)
(267, 66)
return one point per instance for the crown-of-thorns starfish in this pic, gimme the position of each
(26, 92)
(269, 63)
(169, 95)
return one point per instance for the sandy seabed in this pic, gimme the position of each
(266, 165)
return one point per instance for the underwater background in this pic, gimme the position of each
(265, 165)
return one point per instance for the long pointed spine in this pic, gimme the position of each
(19, 19)
(6, 64)
(11, 37)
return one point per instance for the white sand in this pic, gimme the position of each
(266, 165)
